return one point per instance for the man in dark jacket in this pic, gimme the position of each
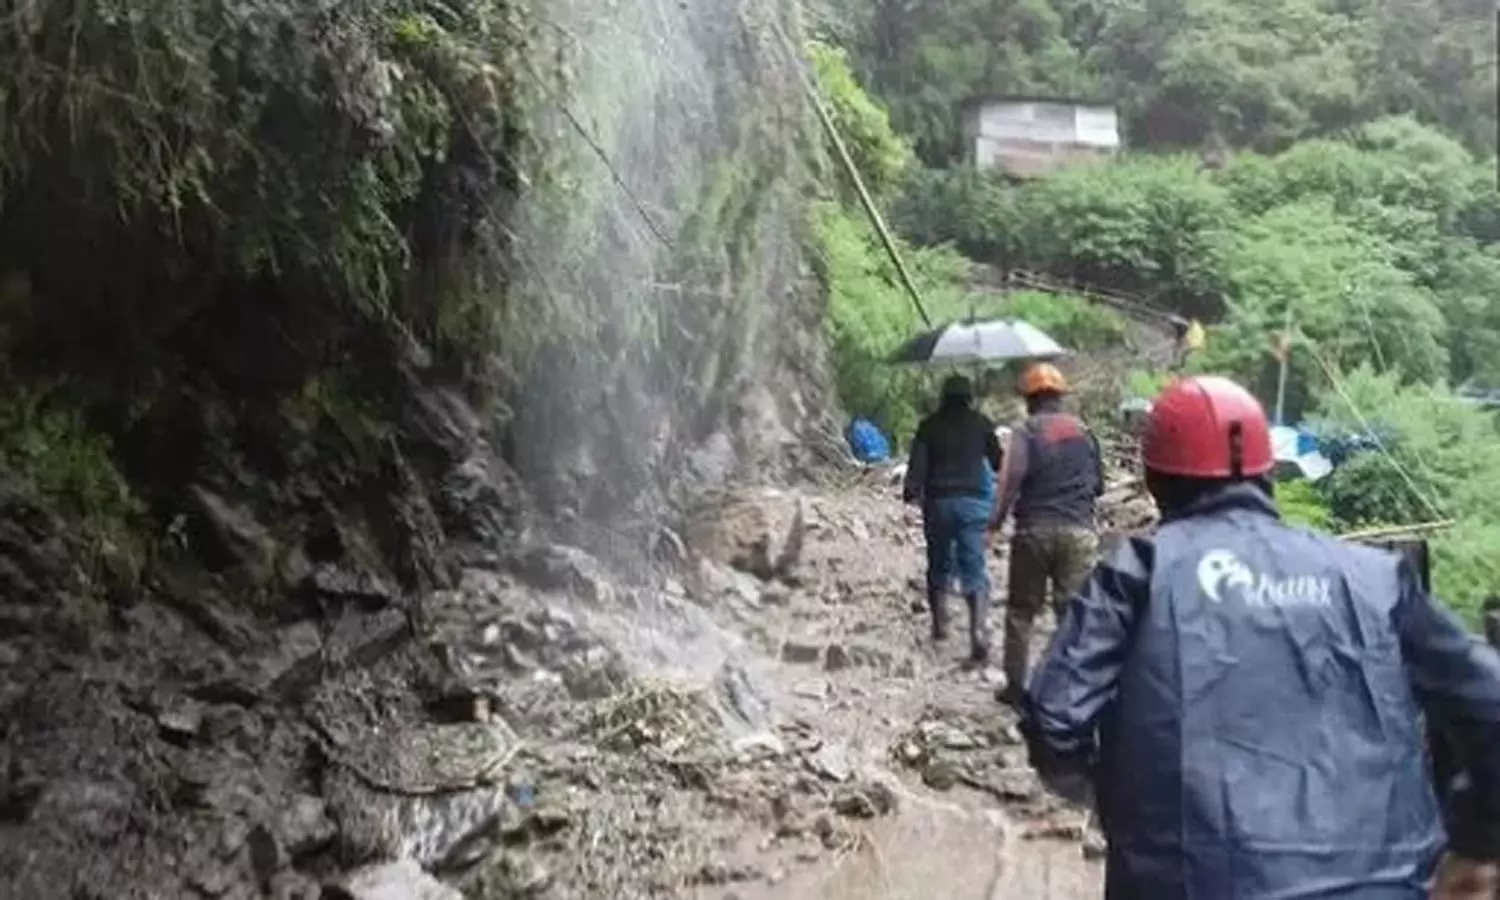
(1053, 476)
(948, 475)
(1247, 699)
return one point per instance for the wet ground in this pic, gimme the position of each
(969, 820)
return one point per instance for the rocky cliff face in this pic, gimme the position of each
(312, 334)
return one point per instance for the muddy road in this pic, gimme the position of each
(966, 817)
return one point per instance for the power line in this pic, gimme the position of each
(1364, 423)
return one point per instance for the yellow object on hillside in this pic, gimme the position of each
(1195, 335)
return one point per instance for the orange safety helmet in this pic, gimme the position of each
(1042, 378)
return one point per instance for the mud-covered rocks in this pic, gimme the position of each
(762, 532)
(556, 567)
(399, 880)
(864, 800)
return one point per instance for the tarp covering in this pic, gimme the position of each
(1300, 448)
(868, 443)
(1255, 688)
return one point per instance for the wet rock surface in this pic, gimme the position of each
(537, 727)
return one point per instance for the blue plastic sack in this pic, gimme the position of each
(868, 443)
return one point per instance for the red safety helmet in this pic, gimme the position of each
(1207, 427)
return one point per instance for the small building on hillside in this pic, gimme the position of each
(1026, 137)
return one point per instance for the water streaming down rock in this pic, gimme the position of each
(665, 243)
(202, 744)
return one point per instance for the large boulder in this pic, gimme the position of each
(761, 532)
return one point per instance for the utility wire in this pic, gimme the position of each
(1338, 387)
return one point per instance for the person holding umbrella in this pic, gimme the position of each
(950, 474)
(1053, 478)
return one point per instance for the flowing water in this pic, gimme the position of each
(662, 240)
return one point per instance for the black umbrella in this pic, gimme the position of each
(960, 342)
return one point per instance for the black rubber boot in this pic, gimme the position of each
(979, 629)
(937, 607)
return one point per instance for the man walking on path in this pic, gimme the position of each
(1247, 699)
(953, 459)
(1053, 476)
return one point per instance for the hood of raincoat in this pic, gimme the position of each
(1260, 738)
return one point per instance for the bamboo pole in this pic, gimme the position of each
(1390, 530)
(847, 160)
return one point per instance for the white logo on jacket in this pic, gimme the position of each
(1222, 569)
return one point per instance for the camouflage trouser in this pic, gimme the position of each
(1061, 557)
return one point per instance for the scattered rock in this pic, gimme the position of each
(800, 653)
(304, 826)
(871, 656)
(759, 745)
(812, 690)
(358, 587)
(180, 721)
(668, 547)
(714, 581)
(225, 534)
(775, 595)
(1053, 829)
(1015, 786)
(743, 696)
(293, 885)
(836, 658)
(940, 734)
(827, 831)
(216, 881)
(831, 762)
(941, 775)
(864, 801)
(98, 809)
(519, 875)
(721, 873)
(401, 880)
(566, 569)
(910, 752)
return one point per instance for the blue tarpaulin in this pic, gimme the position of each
(867, 442)
(1300, 448)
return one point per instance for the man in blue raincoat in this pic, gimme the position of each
(1246, 700)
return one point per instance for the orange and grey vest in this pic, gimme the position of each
(1064, 474)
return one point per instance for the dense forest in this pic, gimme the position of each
(1325, 162)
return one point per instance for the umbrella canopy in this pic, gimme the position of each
(961, 342)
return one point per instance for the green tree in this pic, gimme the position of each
(880, 154)
(1146, 225)
(1344, 294)
(926, 60)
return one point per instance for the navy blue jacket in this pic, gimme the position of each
(1248, 701)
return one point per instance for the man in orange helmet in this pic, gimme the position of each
(1247, 699)
(1053, 477)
